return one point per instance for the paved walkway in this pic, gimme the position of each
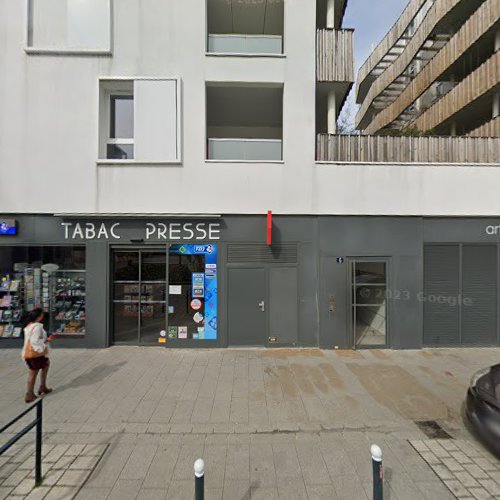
(269, 423)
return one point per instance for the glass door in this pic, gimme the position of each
(369, 302)
(139, 296)
(153, 303)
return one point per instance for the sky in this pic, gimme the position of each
(371, 20)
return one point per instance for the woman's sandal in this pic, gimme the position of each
(44, 390)
(29, 398)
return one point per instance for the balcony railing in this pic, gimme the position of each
(439, 10)
(477, 84)
(383, 149)
(245, 149)
(389, 40)
(245, 44)
(334, 55)
(473, 29)
(489, 129)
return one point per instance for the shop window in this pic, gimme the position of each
(139, 120)
(192, 293)
(69, 25)
(52, 278)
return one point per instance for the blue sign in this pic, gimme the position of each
(207, 280)
(8, 227)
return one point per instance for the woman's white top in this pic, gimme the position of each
(36, 334)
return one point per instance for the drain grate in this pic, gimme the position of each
(432, 429)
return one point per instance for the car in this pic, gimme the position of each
(482, 407)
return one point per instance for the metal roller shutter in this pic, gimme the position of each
(479, 292)
(441, 282)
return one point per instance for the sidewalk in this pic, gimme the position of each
(269, 423)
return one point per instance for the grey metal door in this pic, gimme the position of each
(479, 295)
(283, 306)
(247, 306)
(460, 294)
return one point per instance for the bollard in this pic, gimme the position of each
(378, 473)
(199, 479)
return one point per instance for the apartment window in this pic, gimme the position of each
(245, 27)
(140, 120)
(69, 25)
(121, 137)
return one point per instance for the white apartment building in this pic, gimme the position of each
(142, 145)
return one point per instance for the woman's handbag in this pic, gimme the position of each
(29, 352)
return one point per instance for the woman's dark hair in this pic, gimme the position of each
(32, 316)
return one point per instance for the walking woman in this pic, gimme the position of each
(36, 353)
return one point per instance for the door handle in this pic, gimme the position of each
(332, 304)
(262, 306)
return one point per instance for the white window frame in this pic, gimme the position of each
(107, 88)
(31, 49)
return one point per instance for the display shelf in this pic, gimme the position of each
(11, 290)
(67, 303)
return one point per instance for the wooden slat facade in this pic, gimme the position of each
(435, 14)
(473, 29)
(485, 78)
(383, 149)
(490, 129)
(334, 55)
(389, 40)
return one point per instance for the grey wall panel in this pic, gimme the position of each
(399, 238)
(334, 324)
(460, 230)
(479, 291)
(97, 294)
(283, 305)
(441, 291)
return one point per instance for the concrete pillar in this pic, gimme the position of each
(332, 113)
(330, 14)
(496, 105)
(497, 40)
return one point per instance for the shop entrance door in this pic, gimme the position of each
(247, 307)
(139, 296)
(369, 294)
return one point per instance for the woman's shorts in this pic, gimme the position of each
(37, 363)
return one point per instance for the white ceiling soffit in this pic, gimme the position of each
(246, 17)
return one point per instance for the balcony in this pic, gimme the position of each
(335, 56)
(245, 28)
(384, 149)
(244, 122)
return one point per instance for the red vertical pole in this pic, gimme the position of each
(269, 227)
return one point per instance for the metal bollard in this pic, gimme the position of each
(199, 479)
(378, 473)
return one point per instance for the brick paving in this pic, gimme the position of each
(468, 470)
(65, 470)
(269, 423)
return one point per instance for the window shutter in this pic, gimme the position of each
(155, 120)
